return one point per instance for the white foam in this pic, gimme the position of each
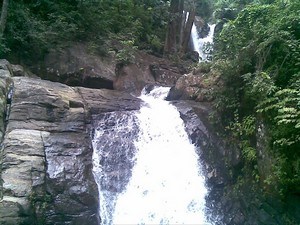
(166, 186)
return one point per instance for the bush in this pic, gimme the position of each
(258, 55)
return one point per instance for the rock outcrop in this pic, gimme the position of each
(5, 87)
(77, 66)
(197, 85)
(147, 69)
(46, 155)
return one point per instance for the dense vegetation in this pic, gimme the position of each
(258, 54)
(35, 26)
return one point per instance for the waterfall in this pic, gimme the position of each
(164, 185)
(203, 45)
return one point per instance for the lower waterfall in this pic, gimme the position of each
(162, 183)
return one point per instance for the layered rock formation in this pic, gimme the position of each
(46, 163)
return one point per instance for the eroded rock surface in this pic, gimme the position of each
(229, 203)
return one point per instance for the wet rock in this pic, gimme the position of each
(15, 211)
(20, 71)
(23, 168)
(186, 88)
(47, 152)
(5, 87)
(193, 55)
(201, 26)
(5, 65)
(99, 101)
(201, 133)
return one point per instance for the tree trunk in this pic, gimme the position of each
(179, 22)
(3, 17)
(179, 28)
(172, 43)
(184, 19)
(187, 31)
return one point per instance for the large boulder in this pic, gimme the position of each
(197, 85)
(76, 65)
(47, 155)
(147, 69)
(132, 78)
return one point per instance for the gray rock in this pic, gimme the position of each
(5, 86)
(132, 78)
(46, 163)
(187, 87)
(98, 101)
(147, 69)
(76, 66)
(165, 74)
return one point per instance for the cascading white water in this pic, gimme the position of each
(166, 186)
(203, 45)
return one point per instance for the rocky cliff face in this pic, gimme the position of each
(46, 163)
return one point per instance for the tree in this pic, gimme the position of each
(179, 27)
(186, 34)
(258, 55)
(3, 16)
(173, 33)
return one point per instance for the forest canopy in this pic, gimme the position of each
(35, 26)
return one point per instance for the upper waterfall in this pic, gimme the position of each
(203, 45)
(166, 185)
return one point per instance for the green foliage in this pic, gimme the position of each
(241, 131)
(284, 106)
(35, 27)
(258, 56)
(126, 55)
(204, 9)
